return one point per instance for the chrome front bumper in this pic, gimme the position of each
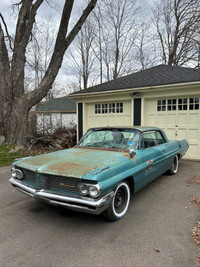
(83, 204)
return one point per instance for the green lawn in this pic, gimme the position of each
(7, 154)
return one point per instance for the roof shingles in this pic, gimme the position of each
(155, 76)
(63, 104)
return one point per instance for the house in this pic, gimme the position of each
(56, 113)
(163, 96)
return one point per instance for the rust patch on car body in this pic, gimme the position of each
(104, 148)
(74, 162)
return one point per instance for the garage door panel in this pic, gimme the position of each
(170, 133)
(194, 119)
(182, 119)
(183, 122)
(193, 133)
(161, 120)
(193, 151)
(171, 120)
(110, 120)
(182, 133)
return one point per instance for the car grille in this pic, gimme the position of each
(61, 183)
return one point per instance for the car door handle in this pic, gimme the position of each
(163, 150)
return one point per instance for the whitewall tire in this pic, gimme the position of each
(120, 202)
(174, 167)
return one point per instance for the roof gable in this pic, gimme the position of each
(155, 76)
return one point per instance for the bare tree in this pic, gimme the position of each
(177, 23)
(146, 46)
(38, 54)
(101, 41)
(82, 56)
(15, 102)
(116, 34)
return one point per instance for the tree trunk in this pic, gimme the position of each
(15, 104)
(15, 129)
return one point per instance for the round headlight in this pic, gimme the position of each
(17, 174)
(83, 189)
(13, 172)
(94, 191)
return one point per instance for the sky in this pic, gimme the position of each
(7, 11)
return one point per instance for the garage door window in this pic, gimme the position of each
(161, 105)
(104, 108)
(109, 108)
(112, 108)
(194, 103)
(182, 103)
(97, 108)
(171, 104)
(119, 107)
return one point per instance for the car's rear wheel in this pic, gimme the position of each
(174, 167)
(120, 202)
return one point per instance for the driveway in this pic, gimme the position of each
(155, 232)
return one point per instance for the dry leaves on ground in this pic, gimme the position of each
(194, 180)
(196, 230)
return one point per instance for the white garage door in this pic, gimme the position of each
(109, 114)
(179, 117)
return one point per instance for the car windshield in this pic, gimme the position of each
(111, 138)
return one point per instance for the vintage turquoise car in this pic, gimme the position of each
(99, 174)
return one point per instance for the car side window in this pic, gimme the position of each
(151, 139)
(159, 138)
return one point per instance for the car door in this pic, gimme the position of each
(153, 148)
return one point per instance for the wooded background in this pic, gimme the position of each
(106, 42)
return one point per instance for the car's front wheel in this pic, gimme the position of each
(120, 202)
(174, 167)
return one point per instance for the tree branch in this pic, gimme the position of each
(6, 29)
(62, 43)
(80, 22)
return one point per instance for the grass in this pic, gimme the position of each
(8, 154)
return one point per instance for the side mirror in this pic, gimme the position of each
(132, 153)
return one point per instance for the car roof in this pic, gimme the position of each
(141, 129)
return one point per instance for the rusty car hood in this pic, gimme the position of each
(74, 162)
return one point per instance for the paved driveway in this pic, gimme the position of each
(155, 232)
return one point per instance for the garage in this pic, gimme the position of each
(164, 96)
(179, 117)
